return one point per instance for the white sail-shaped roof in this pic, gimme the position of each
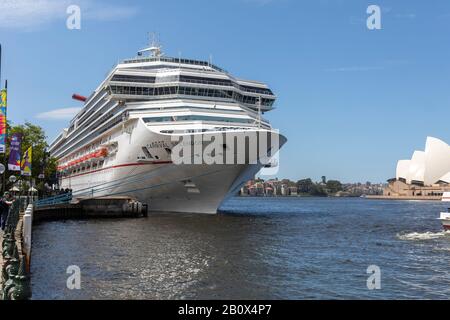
(403, 169)
(437, 160)
(445, 178)
(429, 166)
(416, 171)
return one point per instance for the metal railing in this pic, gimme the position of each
(15, 276)
(63, 198)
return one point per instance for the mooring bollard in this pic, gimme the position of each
(26, 235)
(27, 226)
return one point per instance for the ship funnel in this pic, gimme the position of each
(79, 97)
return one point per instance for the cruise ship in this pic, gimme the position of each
(122, 141)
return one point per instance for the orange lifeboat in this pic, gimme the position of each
(101, 153)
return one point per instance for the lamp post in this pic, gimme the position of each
(2, 171)
(0, 63)
(12, 180)
(6, 124)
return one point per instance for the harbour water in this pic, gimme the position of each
(257, 248)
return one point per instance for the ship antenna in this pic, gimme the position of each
(154, 49)
(259, 111)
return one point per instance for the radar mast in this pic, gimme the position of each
(154, 49)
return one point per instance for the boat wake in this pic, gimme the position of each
(416, 236)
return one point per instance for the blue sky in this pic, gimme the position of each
(351, 101)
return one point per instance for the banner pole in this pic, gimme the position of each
(4, 173)
(0, 63)
(6, 139)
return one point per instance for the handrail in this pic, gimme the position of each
(63, 198)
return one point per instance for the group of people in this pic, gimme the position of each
(5, 206)
(64, 191)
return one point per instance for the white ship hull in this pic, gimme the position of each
(158, 182)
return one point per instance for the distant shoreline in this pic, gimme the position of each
(294, 196)
(419, 198)
(368, 197)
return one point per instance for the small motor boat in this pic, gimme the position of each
(445, 216)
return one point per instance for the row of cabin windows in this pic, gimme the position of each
(191, 79)
(224, 82)
(126, 78)
(83, 118)
(196, 118)
(175, 60)
(99, 122)
(85, 151)
(89, 149)
(95, 133)
(87, 168)
(201, 92)
(202, 130)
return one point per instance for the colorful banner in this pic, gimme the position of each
(14, 152)
(26, 162)
(3, 104)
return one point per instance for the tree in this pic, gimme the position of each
(305, 185)
(334, 186)
(34, 136)
(318, 191)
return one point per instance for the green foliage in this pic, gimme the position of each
(305, 185)
(289, 183)
(334, 186)
(318, 191)
(32, 135)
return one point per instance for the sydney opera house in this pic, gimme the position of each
(425, 176)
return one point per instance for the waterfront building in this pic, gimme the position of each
(244, 191)
(269, 191)
(293, 191)
(426, 175)
(284, 190)
(359, 189)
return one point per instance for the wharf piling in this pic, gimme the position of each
(88, 208)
